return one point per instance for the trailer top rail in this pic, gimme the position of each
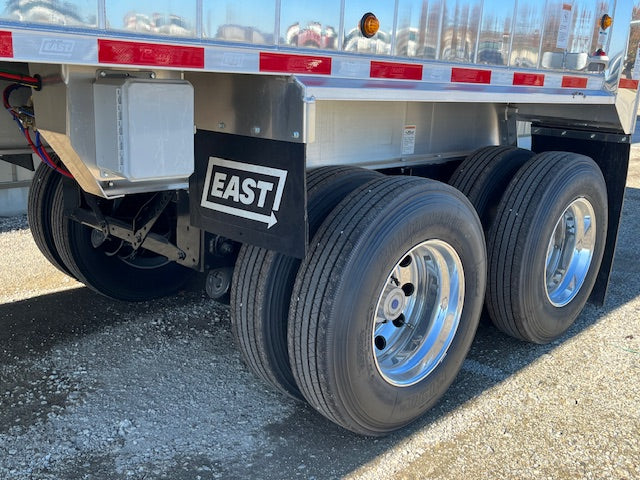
(561, 49)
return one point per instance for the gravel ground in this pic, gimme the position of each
(96, 389)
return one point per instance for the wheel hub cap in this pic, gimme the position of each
(393, 304)
(570, 252)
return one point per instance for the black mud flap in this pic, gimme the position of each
(251, 190)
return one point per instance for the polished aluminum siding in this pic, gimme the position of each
(489, 32)
(370, 134)
(433, 37)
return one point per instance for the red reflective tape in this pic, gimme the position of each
(528, 79)
(6, 44)
(400, 71)
(287, 63)
(574, 82)
(470, 75)
(154, 54)
(628, 83)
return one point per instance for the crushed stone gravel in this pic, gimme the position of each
(96, 389)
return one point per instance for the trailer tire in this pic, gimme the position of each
(43, 187)
(337, 338)
(552, 220)
(484, 176)
(263, 281)
(110, 275)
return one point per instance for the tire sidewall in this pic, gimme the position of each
(356, 373)
(115, 278)
(552, 321)
(107, 275)
(260, 326)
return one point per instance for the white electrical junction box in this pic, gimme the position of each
(144, 129)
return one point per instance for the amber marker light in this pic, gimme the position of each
(606, 21)
(369, 25)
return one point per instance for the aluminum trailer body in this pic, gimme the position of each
(238, 137)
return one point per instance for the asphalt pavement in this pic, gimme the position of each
(96, 389)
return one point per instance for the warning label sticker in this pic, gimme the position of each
(566, 16)
(409, 140)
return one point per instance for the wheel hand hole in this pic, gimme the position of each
(399, 322)
(380, 342)
(406, 261)
(408, 289)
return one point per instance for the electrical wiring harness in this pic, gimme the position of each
(24, 117)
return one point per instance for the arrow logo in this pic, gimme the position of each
(244, 185)
(270, 220)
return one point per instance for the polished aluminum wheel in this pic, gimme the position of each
(418, 313)
(570, 252)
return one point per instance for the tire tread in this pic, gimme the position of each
(505, 244)
(263, 278)
(314, 280)
(41, 192)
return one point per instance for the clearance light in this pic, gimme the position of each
(605, 21)
(369, 25)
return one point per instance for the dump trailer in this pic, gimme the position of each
(346, 172)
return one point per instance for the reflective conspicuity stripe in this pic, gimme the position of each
(470, 75)
(6, 44)
(288, 63)
(528, 79)
(628, 83)
(400, 71)
(152, 54)
(574, 82)
(81, 48)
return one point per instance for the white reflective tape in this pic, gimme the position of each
(351, 67)
(595, 83)
(436, 73)
(552, 81)
(231, 60)
(55, 48)
(82, 49)
(502, 77)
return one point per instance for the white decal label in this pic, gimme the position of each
(409, 140)
(603, 37)
(566, 16)
(253, 192)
